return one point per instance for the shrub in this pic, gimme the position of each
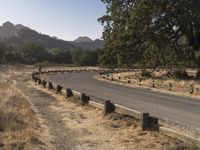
(198, 74)
(146, 74)
(181, 74)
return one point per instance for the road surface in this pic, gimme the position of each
(176, 109)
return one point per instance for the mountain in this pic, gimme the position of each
(20, 35)
(83, 39)
(87, 43)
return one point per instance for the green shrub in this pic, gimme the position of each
(146, 74)
(181, 74)
(198, 74)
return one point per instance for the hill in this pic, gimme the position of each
(83, 39)
(87, 43)
(20, 35)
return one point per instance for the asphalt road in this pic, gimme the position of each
(176, 109)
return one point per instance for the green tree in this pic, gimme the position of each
(163, 33)
(33, 53)
(3, 49)
(61, 57)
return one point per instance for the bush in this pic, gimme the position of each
(198, 74)
(181, 74)
(146, 74)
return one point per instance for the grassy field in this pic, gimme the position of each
(17, 120)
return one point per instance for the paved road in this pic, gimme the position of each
(177, 109)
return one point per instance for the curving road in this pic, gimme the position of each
(176, 109)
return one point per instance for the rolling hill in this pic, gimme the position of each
(20, 35)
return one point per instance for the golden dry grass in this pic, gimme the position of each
(113, 131)
(17, 119)
(162, 83)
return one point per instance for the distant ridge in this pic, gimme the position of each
(87, 43)
(83, 39)
(20, 35)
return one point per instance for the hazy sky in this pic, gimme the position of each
(66, 19)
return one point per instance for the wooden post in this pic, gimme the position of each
(191, 89)
(153, 84)
(108, 107)
(36, 79)
(59, 89)
(140, 80)
(170, 86)
(145, 121)
(39, 81)
(44, 83)
(50, 86)
(84, 99)
(69, 93)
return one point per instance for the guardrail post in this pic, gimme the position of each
(140, 82)
(50, 86)
(153, 84)
(36, 79)
(108, 107)
(145, 121)
(84, 99)
(39, 81)
(69, 93)
(191, 89)
(44, 83)
(59, 89)
(149, 122)
(170, 86)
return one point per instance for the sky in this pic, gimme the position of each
(65, 19)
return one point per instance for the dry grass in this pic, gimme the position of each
(96, 131)
(17, 119)
(162, 83)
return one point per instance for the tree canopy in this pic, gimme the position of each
(158, 33)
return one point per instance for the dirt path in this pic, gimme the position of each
(82, 128)
(63, 137)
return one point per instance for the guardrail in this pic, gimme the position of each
(148, 122)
